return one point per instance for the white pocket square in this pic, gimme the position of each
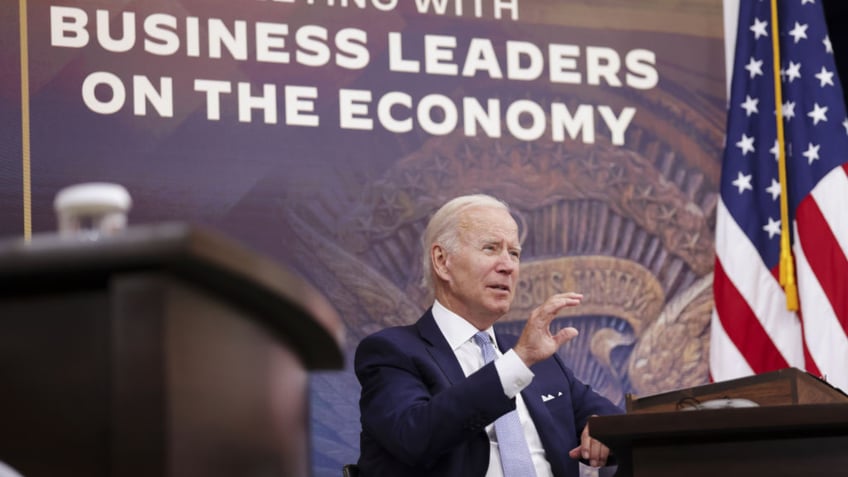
(548, 397)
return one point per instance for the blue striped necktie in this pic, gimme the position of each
(515, 455)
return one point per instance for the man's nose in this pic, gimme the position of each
(507, 262)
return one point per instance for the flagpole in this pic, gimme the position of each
(787, 261)
(25, 119)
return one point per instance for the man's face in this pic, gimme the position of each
(483, 272)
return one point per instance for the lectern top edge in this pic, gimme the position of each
(201, 256)
(781, 387)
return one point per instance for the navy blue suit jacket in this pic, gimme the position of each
(421, 416)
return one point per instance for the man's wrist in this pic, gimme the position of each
(514, 374)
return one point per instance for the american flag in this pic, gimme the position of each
(752, 331)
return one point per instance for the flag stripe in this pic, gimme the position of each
(761, 296)
(825, 260)
(744, 329)
(809, 363)
(724, 355)
(831, 195)
(826, 339)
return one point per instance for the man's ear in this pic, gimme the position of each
(439, 259)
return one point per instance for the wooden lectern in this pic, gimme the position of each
(799, 428)
(777, 388)
(162, 351)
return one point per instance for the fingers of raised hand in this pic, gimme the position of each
(565, 335)
(548, 310)
(559, 301)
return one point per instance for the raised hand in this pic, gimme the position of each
(536, 341)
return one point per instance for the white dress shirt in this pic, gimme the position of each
(514, 376)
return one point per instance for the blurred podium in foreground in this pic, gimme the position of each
(161, 351)
(799, 426)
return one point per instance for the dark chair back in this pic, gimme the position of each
(350, 470)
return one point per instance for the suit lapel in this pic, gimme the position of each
(439, 348)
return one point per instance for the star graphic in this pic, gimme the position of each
(827, 46)
(754, 67)
(750, 105)
(743, 182)
(759, 28)
(788, 110)
(818, 113)
(774, 189)
(825, 77)
(746, 144)
(775, 150)
(799, 32)
(793, 72)
(845, 125)
(812, 153)
(773, 227)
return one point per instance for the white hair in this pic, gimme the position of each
(443, 228)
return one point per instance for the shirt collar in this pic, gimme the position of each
(456, 329)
